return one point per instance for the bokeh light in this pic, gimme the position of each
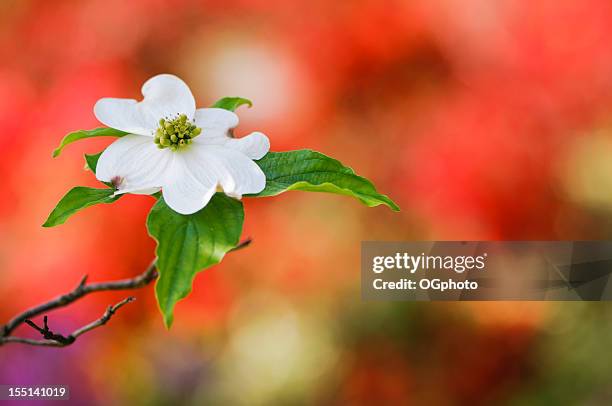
(483, 120)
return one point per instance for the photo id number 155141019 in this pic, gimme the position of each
(56, 392)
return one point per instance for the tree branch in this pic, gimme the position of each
(242, 244)
(57, 340)
(82, 289)
(52, 339)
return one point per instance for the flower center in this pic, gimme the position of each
(176, 133)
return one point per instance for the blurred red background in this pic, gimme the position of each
(483, 120)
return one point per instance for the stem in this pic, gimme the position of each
(52, 339)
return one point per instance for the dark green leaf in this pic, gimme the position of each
(187, 244)
(77, 199)
(314, 172)
(78, 135)
(232, 103)
(92, 161)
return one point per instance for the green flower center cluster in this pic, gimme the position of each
(176, 133)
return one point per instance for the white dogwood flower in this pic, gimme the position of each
(187, 153)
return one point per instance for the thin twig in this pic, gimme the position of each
(52, 339)
(30, 341)
(110, 311)
(242, 244)
(82, 289)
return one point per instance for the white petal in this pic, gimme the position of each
(215, 122)
(164, 95)
(216, 125)
(137, 162)
(235, 172)
(138, 191)
(254, 145)
(184, 192)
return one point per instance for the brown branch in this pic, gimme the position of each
(52, 339)
(242, 244)
(82, 289)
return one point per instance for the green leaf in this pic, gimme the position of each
(78, 135)
(314, 172)
(91, 161)
(187, 244)
(232, 103)
(77, 199)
